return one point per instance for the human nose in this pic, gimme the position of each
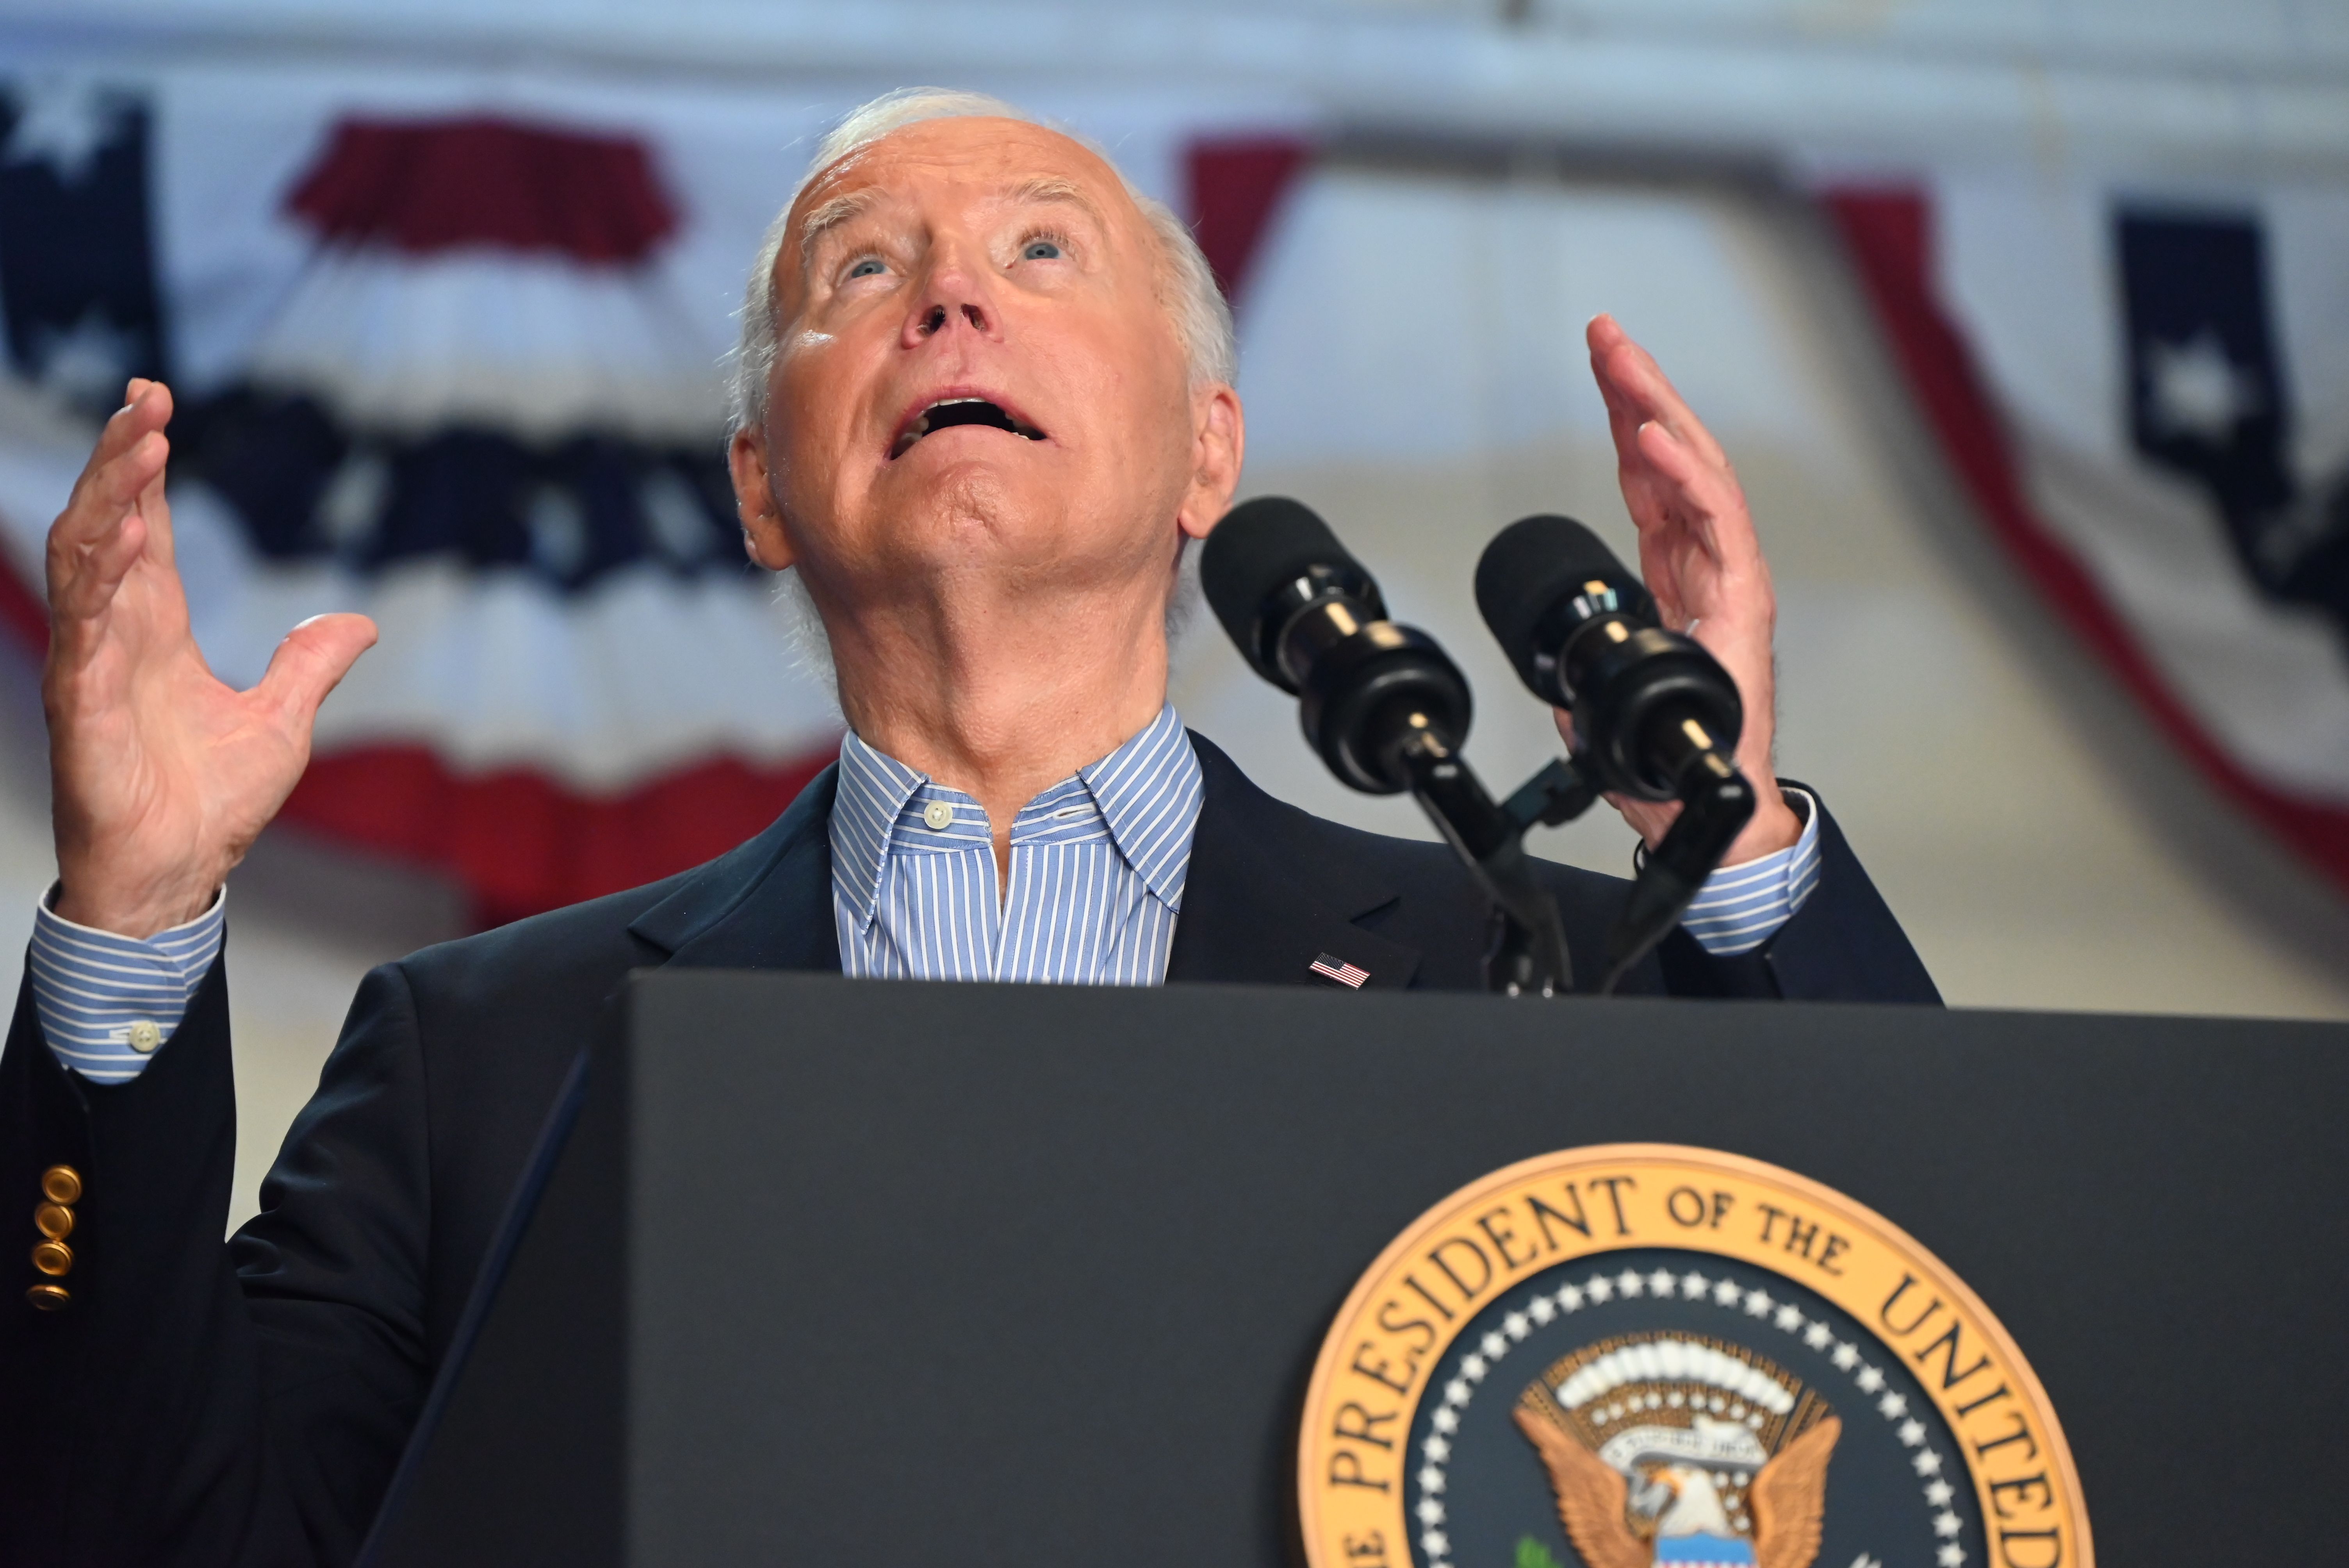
(954, 298)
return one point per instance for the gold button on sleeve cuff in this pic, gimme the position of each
(61, 1184)
(52, 1257)
(49, 1297)
(53, 1221)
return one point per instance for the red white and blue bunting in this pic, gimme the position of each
(2145, 394)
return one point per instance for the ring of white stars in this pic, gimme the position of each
(1436, 1451)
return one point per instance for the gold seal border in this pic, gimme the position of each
(1315, 1444)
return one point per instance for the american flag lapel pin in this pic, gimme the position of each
(1337, 969)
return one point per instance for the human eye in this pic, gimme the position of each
(1042, 248)
(865, 267)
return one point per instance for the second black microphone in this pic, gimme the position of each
(1649, 705)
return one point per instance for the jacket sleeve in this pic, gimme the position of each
(1842, 945)
(202, 1402)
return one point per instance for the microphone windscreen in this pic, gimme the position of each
(1258, 546)
(1529, 566)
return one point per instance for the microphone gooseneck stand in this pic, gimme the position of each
(1527, 955)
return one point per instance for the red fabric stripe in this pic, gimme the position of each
(25, 612)
(521, 843)
(422, 186)
(1889, 234)
(1236, 188)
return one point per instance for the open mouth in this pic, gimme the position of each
(951, 411)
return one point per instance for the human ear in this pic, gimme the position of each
(1218, 446)
(754, 501)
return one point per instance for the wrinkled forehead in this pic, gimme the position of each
(968, 157)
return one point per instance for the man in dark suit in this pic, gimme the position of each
(985, 405)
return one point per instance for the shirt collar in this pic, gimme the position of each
(872, 790)
(1147, 791)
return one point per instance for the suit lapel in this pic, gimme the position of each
(766, 904)
(1260, 905)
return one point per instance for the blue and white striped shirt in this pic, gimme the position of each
(107, 1003)
(1096, 876)
(1097, 864)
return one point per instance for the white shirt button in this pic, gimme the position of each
(938, 815)
(143, 1036)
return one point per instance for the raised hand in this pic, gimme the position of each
(162, 777)
(1702, 560)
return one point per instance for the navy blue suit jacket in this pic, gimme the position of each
(247, 1403)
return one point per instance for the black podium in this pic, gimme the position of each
(827, 1272)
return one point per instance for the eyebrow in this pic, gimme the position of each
(1053, 188)
(831, 214)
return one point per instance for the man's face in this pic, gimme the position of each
(977, 375)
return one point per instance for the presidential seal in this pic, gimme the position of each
(1641, 1354)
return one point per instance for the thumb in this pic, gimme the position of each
(311, 662)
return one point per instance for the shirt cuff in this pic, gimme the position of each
(108, 1003)
(1741, 907)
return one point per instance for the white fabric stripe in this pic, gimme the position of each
(160, 970)
(1765, 884)
(1744, 881)
(103, 1055)
(1771, 897)
(160, 977)
(83, 938)
(91, 988)
(1733, 949)
(1742, 907)
(97, 998)
(78, 1003)
(1760, 925)
(65, 1036)
(1093, 887)
(93, 951)
(82, 956)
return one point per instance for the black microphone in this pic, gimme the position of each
(1311, 620)
(1649, 706)
(1655, 716)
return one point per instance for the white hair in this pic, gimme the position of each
(1188, 288)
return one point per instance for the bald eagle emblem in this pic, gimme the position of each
(1681, 1451)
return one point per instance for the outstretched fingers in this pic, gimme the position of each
(1652, 493)
(116, 512)
(153, 402)
(111, 486)
(117, 471)
(311, 662)
(1637, 390)
(89, 555)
